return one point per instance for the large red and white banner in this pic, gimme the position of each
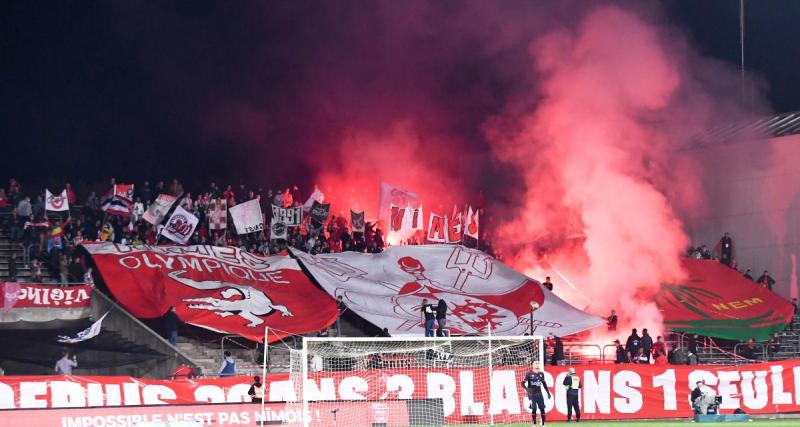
(387, 289)
(219, 288)
(43, 303)
(468, 395)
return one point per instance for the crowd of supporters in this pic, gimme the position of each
(724, 252)
(52, 236)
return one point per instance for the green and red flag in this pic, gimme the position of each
(717, 301)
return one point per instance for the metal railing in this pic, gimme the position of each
(132, 329)
(613, 358)
(585, 358)
(739, 358)
(27, 252)
(232, 339)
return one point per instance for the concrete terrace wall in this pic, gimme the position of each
(752, 190)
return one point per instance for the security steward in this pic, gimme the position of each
(573, 384)
(256, 391)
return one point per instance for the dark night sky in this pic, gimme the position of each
(133, 89)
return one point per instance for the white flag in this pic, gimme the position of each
(472, 224)
(56, 202)
(388, 290)
(88, 333)
(180, 226)
(158, 209)
(247, 217)
(316, 196)
(412, 219)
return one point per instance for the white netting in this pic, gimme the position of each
(430, 381)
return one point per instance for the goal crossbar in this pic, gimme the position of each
(398, 369)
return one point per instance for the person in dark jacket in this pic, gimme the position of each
(766, 280)
(428, 315)
(558, 350)
(724, 249)
(672, 356)
(633, 344)
(256, 391)
(170, 321)
(75, 271)
(696, 394)
(647, 344)
(342, 308)
(573, 383)
(611, 321)
(12, 267)
(692, 347)
(622, 355)
(441, 317)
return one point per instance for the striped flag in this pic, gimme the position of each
(118, 200)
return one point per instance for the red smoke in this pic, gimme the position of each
(569, 128)
(591, 159)
(400, 155)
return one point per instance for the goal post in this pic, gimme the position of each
(413, 381)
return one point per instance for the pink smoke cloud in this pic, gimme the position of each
(592, 160)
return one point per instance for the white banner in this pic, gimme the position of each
(292, 217)
(158, 209)
(247, 217)
(180, 226)
(86, 334)
(56, 202)
(277, 230)
(387, 289)
(472, 223)
(401, 211)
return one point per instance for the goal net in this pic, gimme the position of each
(411, 381)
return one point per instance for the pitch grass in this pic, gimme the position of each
(655, 423)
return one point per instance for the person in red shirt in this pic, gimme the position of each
(229, 196)
(659, 346)
(70, 194)
(288, 200)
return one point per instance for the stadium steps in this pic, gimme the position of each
(23, 270)
(208, 356)
(120, 322)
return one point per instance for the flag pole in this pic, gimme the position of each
(264, 371)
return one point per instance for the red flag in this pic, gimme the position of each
(219, 288)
